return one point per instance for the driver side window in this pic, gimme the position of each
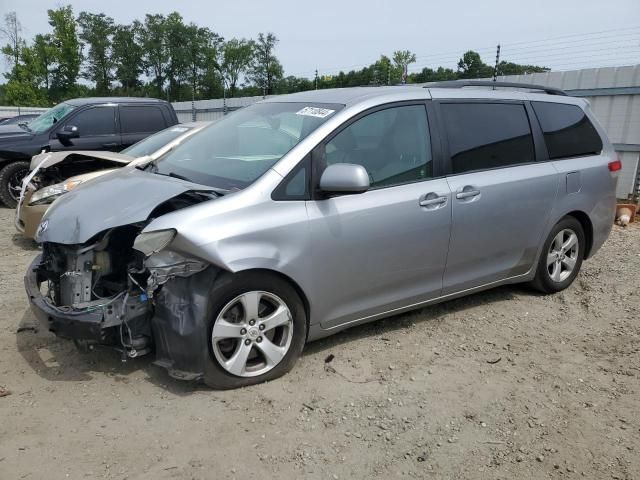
(392, 145)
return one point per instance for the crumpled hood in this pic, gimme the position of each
(47, 159)
(122, 197)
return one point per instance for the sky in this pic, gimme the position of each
(333, 35)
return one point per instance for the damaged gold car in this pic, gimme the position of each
(53, 174)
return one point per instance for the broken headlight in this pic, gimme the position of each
(152, 242)
(49, 194)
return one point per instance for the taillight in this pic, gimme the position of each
(615, 165)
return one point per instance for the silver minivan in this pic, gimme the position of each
(306, 214)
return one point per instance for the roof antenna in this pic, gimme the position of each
(495, 70)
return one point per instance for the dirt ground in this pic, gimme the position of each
(503, 384)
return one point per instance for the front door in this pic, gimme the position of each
(386, 248)
(501, 197)
(96, 130)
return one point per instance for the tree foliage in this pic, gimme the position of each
(96, 31)
(265, 68)
(67, 53)
(164, 57)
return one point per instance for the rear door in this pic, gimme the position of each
(386, 248)
(501, 195)
(139, 121)
(96, 129)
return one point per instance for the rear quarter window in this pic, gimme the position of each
(141, 119)
(567, 130)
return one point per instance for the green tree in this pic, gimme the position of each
(509, 68)
(265, 68)
(96, 31)
(44, 52)
(156, 55)
(127, 56)
(402, 59)
(177, 49)
(67, 52)
(472, 66)
(236, 59)
(203, 60)
(430, 75)
(23, 89)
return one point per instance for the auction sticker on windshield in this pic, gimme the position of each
(315, 112)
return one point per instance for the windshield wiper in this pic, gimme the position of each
(153, 168)
(177, 175)
(24, 126)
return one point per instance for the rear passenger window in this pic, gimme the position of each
(392, 145)
(487, 135)
(141, 119)
(567, 130)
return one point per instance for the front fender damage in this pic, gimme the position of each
(180, 324)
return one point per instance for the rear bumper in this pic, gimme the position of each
(74, 325)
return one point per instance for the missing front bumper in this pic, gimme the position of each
(99, 323)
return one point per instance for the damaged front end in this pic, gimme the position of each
(104, 292)
(125, 289)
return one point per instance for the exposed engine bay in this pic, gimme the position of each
(104, 289)
(71, 166)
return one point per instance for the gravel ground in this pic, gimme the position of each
(502, 384)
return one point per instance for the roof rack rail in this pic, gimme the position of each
(490, 83)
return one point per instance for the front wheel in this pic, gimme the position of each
(561, 256)
(11, 176)
(257, 330)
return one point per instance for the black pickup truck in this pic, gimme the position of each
(78, 124)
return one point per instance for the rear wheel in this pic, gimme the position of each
(11, 176)
(561, 256)
(257, 330)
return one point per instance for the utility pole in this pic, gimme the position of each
(224, 97)
(495, 70)
(316, 79)
(389, 74)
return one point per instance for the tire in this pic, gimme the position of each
(11, 176)
(548, 278)
(229, 294)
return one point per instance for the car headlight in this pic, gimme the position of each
(49, 194)
(152, 242)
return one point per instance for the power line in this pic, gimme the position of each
(579, 41)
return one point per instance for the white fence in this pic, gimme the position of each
(13, 111)
(211, 109)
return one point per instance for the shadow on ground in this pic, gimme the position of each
(58, 360)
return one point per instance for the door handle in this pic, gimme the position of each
(467, 194)
(430, 200)
(109, 145)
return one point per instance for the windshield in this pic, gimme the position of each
(156, 141)
(48, 118)
(235, 151)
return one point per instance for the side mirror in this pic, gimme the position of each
(344, 179)
(67, 132)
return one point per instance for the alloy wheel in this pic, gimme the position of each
(252, 334)
(562, 255)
